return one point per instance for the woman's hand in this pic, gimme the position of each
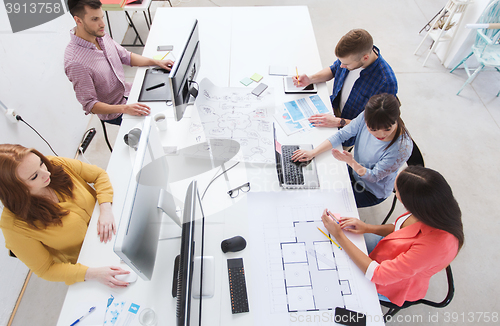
(353, 225)
(302, 155)
(106, 275)
(106, 223)
(343, 156)
(331, 225)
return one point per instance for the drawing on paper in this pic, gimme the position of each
(311, 271)
(234, 113)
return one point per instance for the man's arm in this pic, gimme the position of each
(131, 109)
(137, 60)
(319, 77)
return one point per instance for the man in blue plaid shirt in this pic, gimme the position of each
(360, 72)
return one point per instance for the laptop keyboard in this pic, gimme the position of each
(292, 172)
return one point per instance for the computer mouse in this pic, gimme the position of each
(130, 278)
(233, 244)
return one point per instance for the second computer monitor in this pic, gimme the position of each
(184, 72)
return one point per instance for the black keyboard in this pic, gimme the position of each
(237, 285)
(292, 172)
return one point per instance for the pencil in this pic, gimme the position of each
(334, 218)
(330, 238)
(297, 71)
(165, 55)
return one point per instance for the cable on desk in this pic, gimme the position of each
(18, 118)
(216, 178)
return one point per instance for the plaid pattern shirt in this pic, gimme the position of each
(97, 76)
(375, 79)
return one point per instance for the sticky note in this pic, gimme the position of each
(256, 77)
(246, 81)
(158, 56)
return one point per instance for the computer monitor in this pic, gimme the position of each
(136, 241)
(184, 72)
(190, 261)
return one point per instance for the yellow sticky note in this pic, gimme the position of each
(256, 77)
(158, 56)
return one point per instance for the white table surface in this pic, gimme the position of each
(235, 43)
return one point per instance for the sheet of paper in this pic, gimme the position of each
(292, 116)
(120, 312)
(301, 271)
(234, 113)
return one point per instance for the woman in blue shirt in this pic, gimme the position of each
(382, 146)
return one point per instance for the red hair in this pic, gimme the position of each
(37, 211)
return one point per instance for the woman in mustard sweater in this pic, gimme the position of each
(48, 203)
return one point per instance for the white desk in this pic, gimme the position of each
(235, 43)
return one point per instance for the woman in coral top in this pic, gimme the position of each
(48, 205)
(419, 244)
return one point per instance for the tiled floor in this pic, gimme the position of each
(458, 136)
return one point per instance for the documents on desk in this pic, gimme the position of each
(234, 113)
(292, 116)
(302, 271)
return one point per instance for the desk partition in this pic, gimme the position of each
(236, 42)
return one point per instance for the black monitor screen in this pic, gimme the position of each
(184, 72)
(190, 271)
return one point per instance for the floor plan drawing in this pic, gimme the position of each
(311, 269)
(300, 271)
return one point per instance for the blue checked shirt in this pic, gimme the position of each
(375, 79)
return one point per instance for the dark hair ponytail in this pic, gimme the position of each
(426, 194)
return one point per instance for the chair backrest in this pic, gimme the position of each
(393, 309)
(485, 37)
(416, 157)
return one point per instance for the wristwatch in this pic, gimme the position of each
(342, 122)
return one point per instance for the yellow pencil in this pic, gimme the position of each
(165, 55)
(297, 71)
(326, 235)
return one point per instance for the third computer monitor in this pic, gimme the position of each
(184, 71)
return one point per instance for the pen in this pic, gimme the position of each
(330, 238)
(155, 86)
(165, 55)
(334, 218)
(85, 315)
(297, 71)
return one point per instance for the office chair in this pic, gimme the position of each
(415, 158)
(106, 136)
(486, 48)
(393, 309)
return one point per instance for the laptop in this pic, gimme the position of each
(294, 175)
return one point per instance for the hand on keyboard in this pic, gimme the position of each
(301, 155)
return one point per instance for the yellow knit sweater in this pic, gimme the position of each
(51, 253)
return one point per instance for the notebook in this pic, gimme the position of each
(291, 175)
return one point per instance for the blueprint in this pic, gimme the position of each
(235, 113)
(301, 271)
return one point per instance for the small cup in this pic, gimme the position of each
(148, 317)
(161, 121)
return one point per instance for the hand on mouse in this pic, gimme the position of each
(106, 275)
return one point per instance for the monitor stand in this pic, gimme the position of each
(208, 289)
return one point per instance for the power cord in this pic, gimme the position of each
(202, 196)
(18, 118)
